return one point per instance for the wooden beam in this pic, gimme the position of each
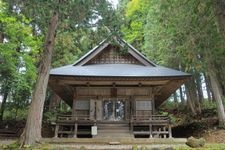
(112, 83)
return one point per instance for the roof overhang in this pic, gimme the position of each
(64, 85)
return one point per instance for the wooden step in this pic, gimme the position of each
(114, 135)
(113, 125)
(113, 131)
(113, 128)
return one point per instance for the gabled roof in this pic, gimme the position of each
(98, 49)
(146, 68)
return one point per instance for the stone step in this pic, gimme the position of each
(113, 128)
(113, 131)
(113, 125)
(118, 146)
(114, 135)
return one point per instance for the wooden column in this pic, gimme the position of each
(56, 130)
(74, 114)
(151, 93)
(170, 131)
(150, 130)
(153, 106)
(74, 103)
(151, 96)
(164, 130)
(75, 128)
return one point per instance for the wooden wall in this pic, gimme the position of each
(89, 101)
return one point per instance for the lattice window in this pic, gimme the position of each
(112, 55)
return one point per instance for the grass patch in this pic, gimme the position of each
(208, 146)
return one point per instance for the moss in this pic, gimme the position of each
(193, 142)
(12, 146)
(135, 147)
(209, 146)
(82, 148)
(143, 147)
(44, 147)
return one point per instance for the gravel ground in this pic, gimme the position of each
(115, 147)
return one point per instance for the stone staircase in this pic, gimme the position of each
(112, 130)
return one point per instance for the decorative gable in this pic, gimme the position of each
(108, 53)
(113, 55)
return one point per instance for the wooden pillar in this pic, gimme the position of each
(127, 109)
(74, 103)
(74, 113)
(170, 131)
(152, 94)
(75, 128)
(56, 130)
(164, 132)
(150, 130)
(159, 134)
(153, 106)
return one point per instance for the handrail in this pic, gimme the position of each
(150, 118)
(63, 117)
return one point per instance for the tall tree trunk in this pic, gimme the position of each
(199, 88)
(2, 109)
(32, 131)
(189, 101)
(175, 100)
(208, 88)
(218, 97)
(193, 95)
(181, 96)
(220, 13)
(1, 37)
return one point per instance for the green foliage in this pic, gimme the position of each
(13, 146)
(143, 147)
(133, 29)
(12, 112)
(24, 24)
(18, 56)
(50, 116)
(134, 147)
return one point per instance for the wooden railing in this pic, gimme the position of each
(71, 122)
(72, 118)
(159, 125)
(150, 118)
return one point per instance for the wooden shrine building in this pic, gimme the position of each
(114, 90)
